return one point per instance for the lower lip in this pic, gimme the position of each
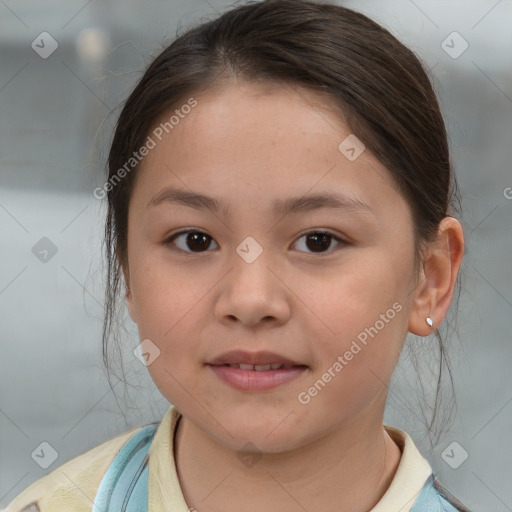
(253, 380)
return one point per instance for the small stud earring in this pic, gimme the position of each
(429, 321)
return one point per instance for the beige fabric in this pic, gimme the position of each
(412, 473)
(163, 484)
(72, 487)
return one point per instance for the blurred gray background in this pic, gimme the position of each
(56, 116)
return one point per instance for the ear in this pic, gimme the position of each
(128, 294)
(439, 271)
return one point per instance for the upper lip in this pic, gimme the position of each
(254, 358)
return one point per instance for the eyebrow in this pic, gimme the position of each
(306, 203)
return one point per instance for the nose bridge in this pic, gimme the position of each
(252, 292)
(251, 279)
(252, 273)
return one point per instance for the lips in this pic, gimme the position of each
(258, 361)
(255, 371)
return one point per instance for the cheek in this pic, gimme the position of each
(353, 296)
(169, 302)
(155, 283)
(363, 322)
(171, 310)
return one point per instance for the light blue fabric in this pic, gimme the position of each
(124, 487)
(429, 500)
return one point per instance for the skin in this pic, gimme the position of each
(249, 144)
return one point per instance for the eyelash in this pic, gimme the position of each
(170, 241)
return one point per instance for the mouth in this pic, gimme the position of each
(257, 371)
(261, 367)
(253, 360)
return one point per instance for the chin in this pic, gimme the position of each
(258, 434)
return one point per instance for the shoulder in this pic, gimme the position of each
(72, 486)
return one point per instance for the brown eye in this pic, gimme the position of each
(191, 241)
(319, 241)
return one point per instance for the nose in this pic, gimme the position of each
(252, 294)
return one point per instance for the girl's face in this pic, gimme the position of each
(258, 277)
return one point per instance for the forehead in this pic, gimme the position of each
(260, 140)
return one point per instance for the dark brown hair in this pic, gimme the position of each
(379, 86)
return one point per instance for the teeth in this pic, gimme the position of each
(259, 367)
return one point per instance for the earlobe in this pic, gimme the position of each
(422, 308)
(437, 281)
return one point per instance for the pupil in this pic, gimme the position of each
(321, 241)
(195, 241)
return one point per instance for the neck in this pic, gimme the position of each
(349, 470)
